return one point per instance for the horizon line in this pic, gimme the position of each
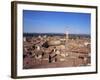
(53, 33)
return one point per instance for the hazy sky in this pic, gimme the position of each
(56, 22)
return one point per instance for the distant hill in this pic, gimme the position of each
(56, 34)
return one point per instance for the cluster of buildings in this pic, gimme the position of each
(55, 51)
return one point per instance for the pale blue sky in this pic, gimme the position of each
(56, 22)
